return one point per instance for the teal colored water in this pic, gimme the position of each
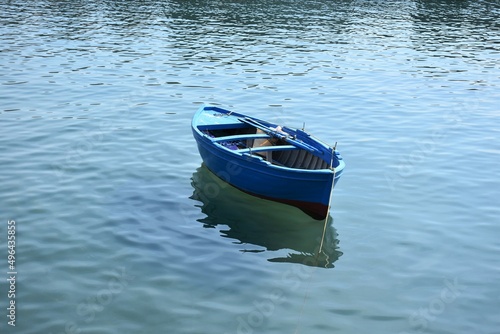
(120, 229)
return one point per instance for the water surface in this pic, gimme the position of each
(121, 229)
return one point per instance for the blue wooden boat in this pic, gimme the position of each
(266, 160)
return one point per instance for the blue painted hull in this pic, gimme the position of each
(309, 190)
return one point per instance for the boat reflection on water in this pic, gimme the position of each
(263, 226)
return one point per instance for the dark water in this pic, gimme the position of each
(120, 229)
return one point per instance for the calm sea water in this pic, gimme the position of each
(120, 229)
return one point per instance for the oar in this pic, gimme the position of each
(281, 135)
(266, 129)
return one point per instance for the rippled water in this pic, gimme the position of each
(120, 229)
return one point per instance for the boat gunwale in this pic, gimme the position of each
(246, 153)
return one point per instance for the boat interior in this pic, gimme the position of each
(251, 140)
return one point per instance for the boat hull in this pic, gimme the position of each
(309, 190)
